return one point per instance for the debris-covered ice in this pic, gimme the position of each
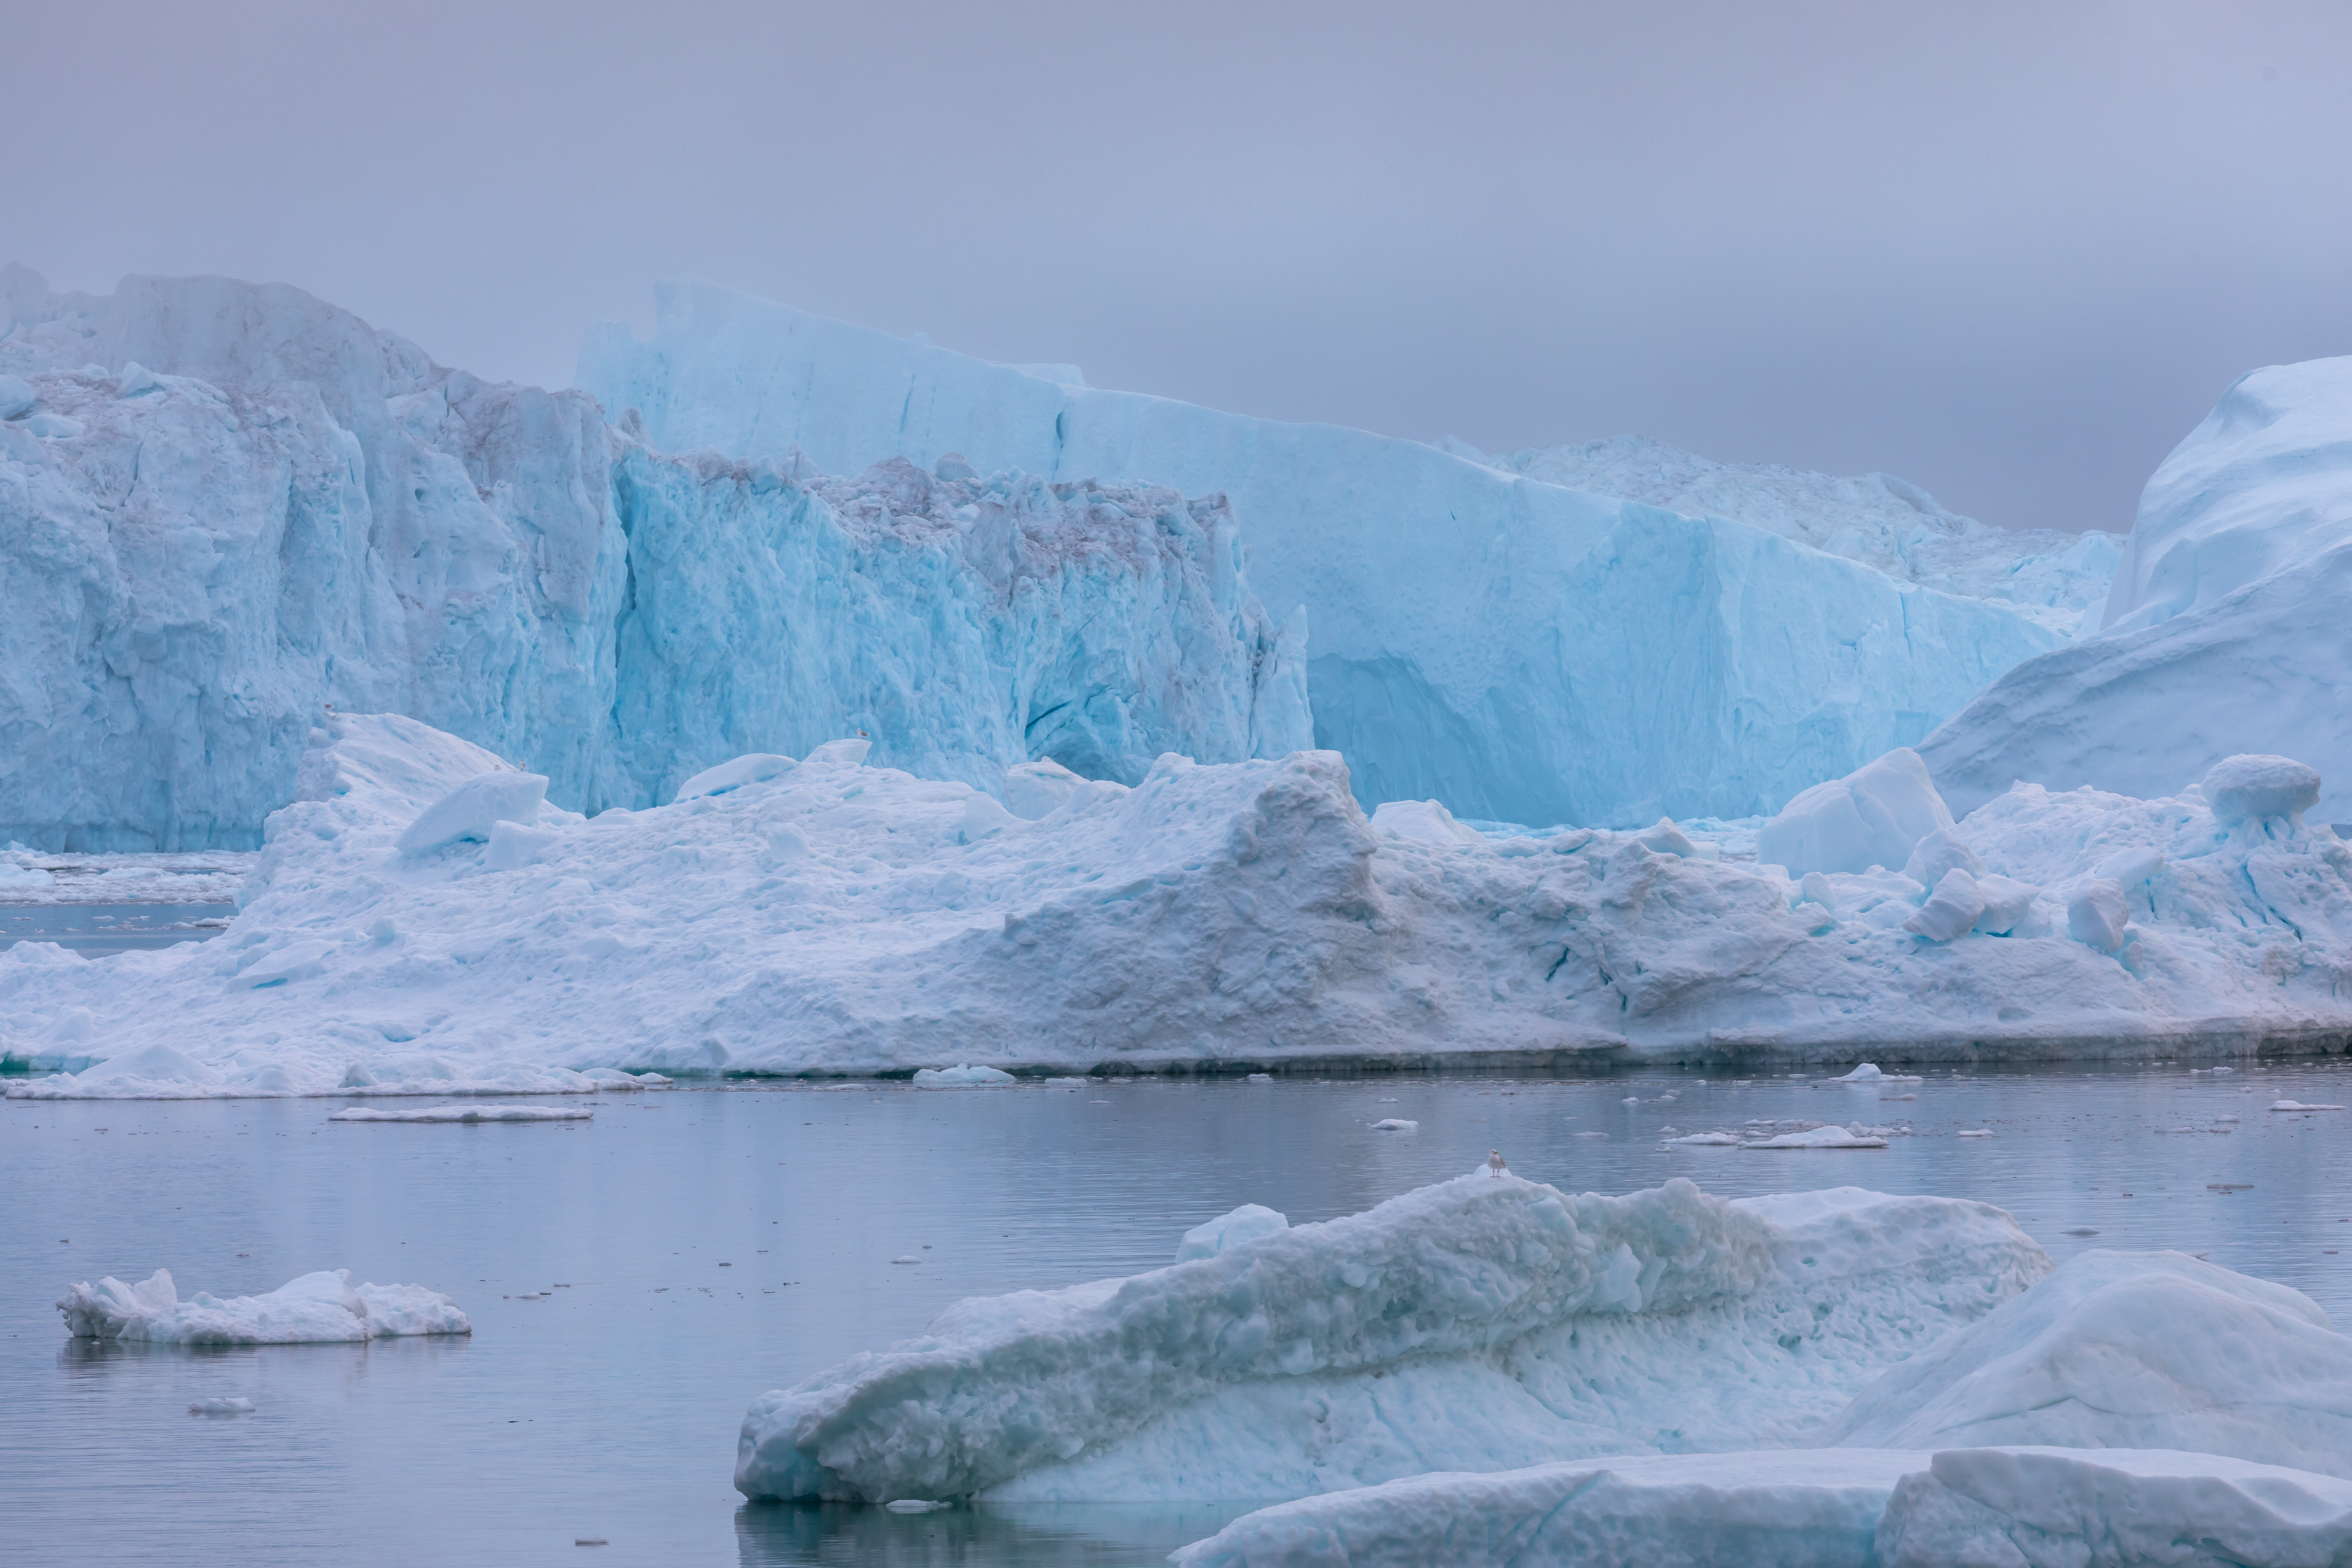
(324, 1305)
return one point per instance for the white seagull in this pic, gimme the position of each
(1494, 1166)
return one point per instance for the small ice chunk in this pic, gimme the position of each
(1866, 1073)
(2255, 787)
(748, 768)
(2298, 1105)
(298, 960)
(1665, 839)
(1395, 1124)
(1951, 910)
(982, 817)
(234, 1404)
(465, 1113)
(2079, 1230)
(1821, 1138)
(2007, 906)
(1818, 888)
(1251, 1222)
(851, 752)
(1709, 1140)
(1426, 821)
(2131, 866)
(788, 846)
(17, 398)
(1975, 1132)
(512, 845)
(1031, 790)
(1939, 852)
(315, 1308)
(916, 1504)
(952, 467)
(1874, 816)
(473, 808)
(906, 1257)
(2097, 913)
(961, 1076)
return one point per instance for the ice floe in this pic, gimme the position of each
(230, 1405)
(324, 1305)
(1484, 1322)
(466, 1114)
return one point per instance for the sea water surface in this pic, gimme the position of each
(635, 1280)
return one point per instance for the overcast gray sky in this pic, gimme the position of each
(2009, 251)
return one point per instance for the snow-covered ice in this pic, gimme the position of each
(2225, 632)
(466, 1114)
(324, 1305)
(1820, 1138)
(961, 1076)
(838, 917)
(235, 504)
(1491, 641)
(2113, 1507)
(1480, 1324)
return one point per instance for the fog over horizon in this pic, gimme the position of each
(2011, 253)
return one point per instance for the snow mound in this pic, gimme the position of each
(324, 1305)
(322, 515)
(2060, 579)
(1483, 1322)
(466, 1114)
(2123, 1350)
(1487, 640)
(1673, 1510)
(2225, 632)
(2113, 1507)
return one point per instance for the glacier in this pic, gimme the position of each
(836, 916)
(2061, 581)
(2223, 632)
(1521, 651)
(225, 506)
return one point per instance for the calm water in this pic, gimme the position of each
(712, 1244)
(96, 930)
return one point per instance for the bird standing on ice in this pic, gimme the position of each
(1494, 1166)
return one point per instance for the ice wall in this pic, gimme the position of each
(1522, 651)
(223, 506)
(2057, 580)
(2226, 630)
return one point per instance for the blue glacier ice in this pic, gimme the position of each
(1520, 650)
(223, 506)
(2225, 632)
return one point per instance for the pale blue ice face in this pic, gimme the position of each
(2007, 253)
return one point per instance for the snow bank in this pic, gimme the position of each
(1677, 1510)
(2225, 632)
(842, 918)
(2058, 580)
(2112, 1509)
(1521, 651)
(324, 1305)
(231, 504)
(2120, 1350)
(1484, 1322)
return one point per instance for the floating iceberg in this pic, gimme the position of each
(841, 917)
(1490, 641)
(1484, 1322)
(324, 1305)
(322, 515)
(2225, 632)
(2127, 1351)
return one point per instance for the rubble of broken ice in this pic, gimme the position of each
(318, 1307)
(422, 920)
(1491, 1371)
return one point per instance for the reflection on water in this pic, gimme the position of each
(637, 1281)
(1036, 1535)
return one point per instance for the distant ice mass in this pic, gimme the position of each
(2225, 632)
(322, 1306)
(1520, 651)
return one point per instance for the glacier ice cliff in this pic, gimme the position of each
(826, 916)
(1522, 651)
(2225, 631)
(223, 506)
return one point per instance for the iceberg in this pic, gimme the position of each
(314, 1309)
(323, 518)
(1521, 651)
(1485, 1322)
(2224, 632)
(841, 917)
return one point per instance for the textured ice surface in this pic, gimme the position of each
(2055, 579)
(1480, 1324)
(1522, 652)
(324, 1305)
(232, 504)
(2226, 631)
(2127, 1350)
(842, 918)
(1875, 816)
(2113, 1507)
(1770, 1509)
